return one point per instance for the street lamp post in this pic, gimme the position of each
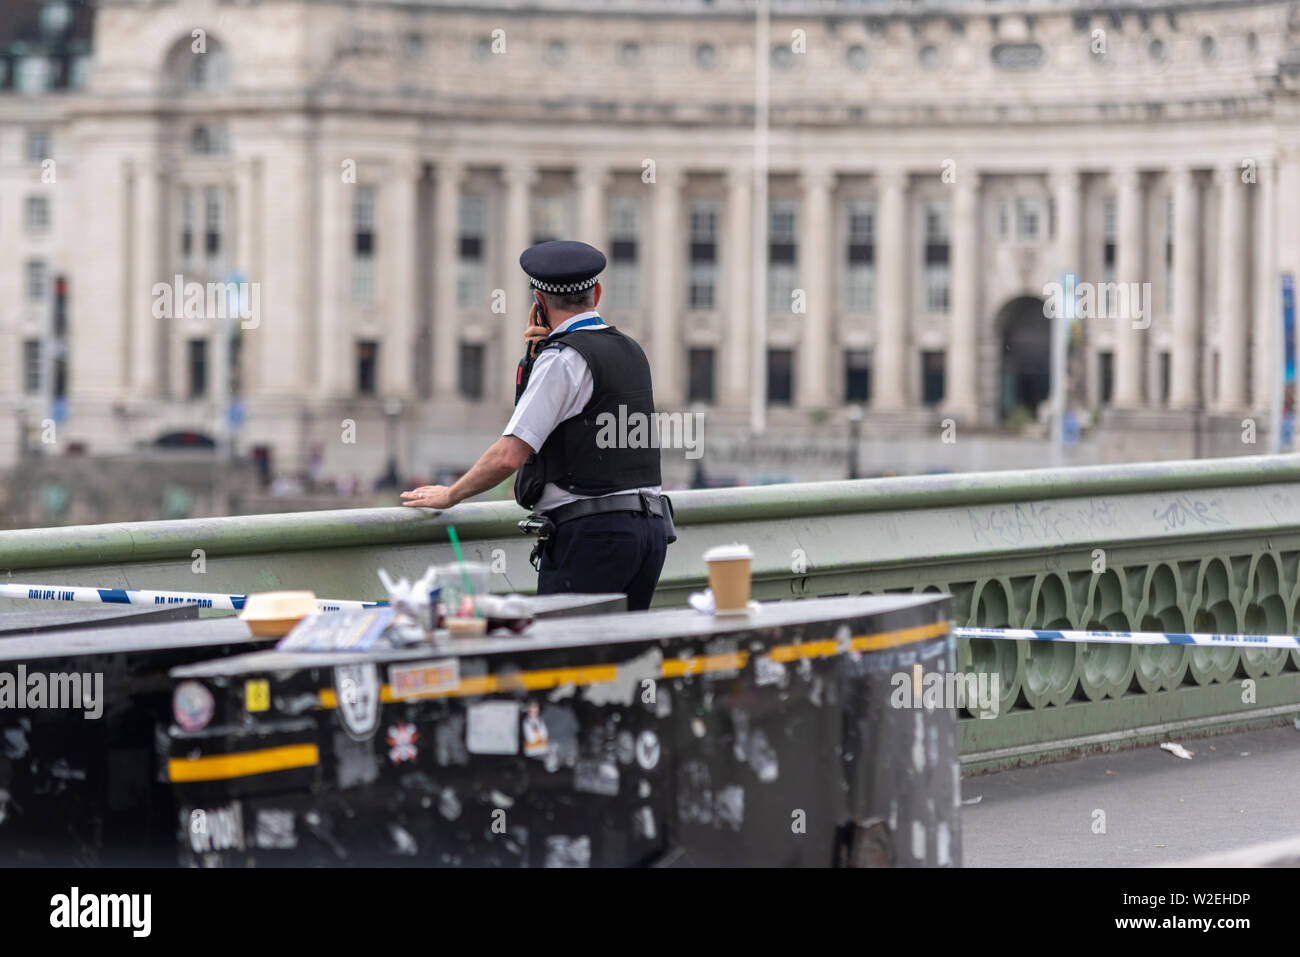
(855, 432)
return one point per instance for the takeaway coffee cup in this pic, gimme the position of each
(729, 577)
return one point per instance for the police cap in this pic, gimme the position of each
(562, 266)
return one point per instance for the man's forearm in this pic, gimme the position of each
(488, 472)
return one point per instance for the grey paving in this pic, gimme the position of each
(1237, 790)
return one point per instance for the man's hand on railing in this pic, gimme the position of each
(429, 496)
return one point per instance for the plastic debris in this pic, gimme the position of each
(1177, 750)
(975, 800)
(702, 601)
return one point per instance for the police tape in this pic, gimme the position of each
(141, 596)
(1133, 637)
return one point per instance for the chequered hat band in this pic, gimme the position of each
(563, 287)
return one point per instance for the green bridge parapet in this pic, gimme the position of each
(1206, 545)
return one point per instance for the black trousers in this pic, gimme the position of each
(606, 552)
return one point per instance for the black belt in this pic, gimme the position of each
(543, 524)
(646, 502)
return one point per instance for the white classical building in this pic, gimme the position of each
(372, 170)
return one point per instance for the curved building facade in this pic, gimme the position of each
(358, 179)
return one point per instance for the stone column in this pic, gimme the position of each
(1069, 220)
(668, 354)
(591, 180)
(1128, 269)
(398, 249)
(1067, 189)
(815, 279)
(247, 174)
(149, 335)
(894, 272)
(1263, 354)
(962, 353)
(1187, 270)
(1233, 324)
(519, 180)
(736, 247)
(446, 265)
(334, 339)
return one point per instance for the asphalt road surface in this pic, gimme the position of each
(1158, 809)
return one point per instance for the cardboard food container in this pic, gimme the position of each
(273, 614)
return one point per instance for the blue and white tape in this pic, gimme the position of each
(1133, 637)
(141, 596)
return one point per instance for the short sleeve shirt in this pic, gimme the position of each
(559, 386)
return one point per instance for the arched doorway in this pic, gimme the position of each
(1025, 378)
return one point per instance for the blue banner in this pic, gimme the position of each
(1288, 352)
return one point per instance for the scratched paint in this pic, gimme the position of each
(627, 682)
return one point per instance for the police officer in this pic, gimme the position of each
(596, 502)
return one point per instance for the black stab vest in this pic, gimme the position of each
(592, 453)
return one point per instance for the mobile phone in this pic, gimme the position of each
(541, 310)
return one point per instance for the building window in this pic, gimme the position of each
(187, 225)
(1108, 216)
(857, 375)
(782, 56)
(782, 255)
(1028, 216)
(629, 54)
(1004, 219)
(857, 57)
(556, 53)
(700, 368)
(197, 352)
(1108, 236)
(936, 274)
(703, 254)
(214, 215)
(34, 75)
(38, 280)
(932, 380)
(1215, 381)
(1105, 377)
(780, 376)
(622, 273)
(31, 366)
(236, 360)
(203, 72)
(860, 258)
(471, 371)
(549, 218)
(470, 282)
(1164, 378)
(363, 246)
(37, 214)
(1169, 254)
(367, 367)
(209, 139)
(928, 57)
(56, 17)
(39, 147)
(413, 46)
(706, 56)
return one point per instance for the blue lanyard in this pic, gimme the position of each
(589, 321)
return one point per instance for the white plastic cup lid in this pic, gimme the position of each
(728, 553)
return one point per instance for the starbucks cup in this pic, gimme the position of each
(729, 567)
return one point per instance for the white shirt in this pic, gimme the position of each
(559, 386)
